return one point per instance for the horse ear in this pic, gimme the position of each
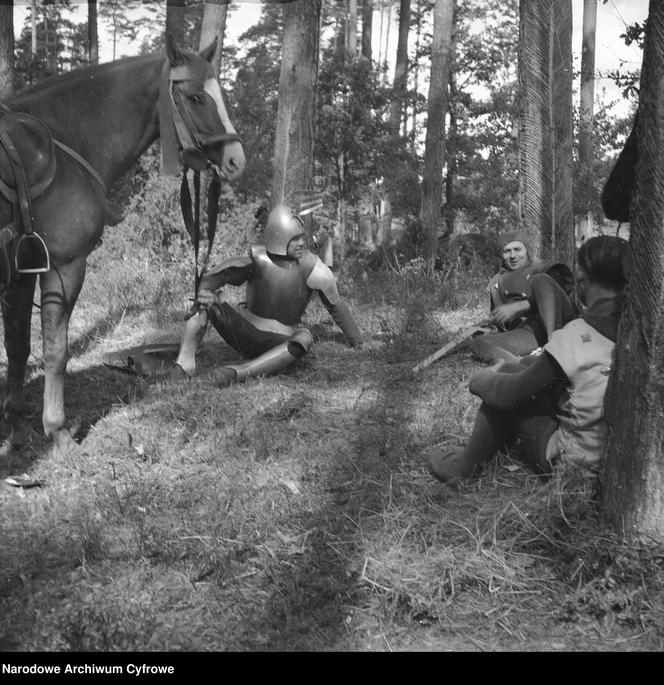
(173, 52)
(208, 52)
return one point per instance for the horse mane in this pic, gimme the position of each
(75, 76)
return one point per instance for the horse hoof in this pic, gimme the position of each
(178, 374)
(65, 445)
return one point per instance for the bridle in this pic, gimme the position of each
(193, 156)
(191, 142)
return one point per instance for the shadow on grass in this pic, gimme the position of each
(312, 597)
(89, 395)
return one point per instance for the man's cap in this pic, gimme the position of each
(513, 237)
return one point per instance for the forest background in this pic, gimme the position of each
(363, 156)
(296, 512)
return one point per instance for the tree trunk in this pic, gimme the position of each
(214, 26)
(388, 21)
(6, 49)
(294, 135)
(434, 144)
(545, 131)
(367, 23)
(351, 30)
(632, 480)
(451, 163)
(93, 37)
(175, 10)
(33, 28)
(397, 107)
(586, 116)
(401, 67)
(381, 56)
(416, 75)
(341, 30)
(50, 40)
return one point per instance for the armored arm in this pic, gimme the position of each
(232, 271)
(322, 280)
(341, 315)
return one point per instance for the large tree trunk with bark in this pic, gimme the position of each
(175, 11)
(294, 135)
(434, 144)
(367, 25)
(6, 49)
(214, 26)
(545, 130)
(93, 37)
(632, 482)
(586, 117)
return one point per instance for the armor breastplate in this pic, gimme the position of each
(279, 292)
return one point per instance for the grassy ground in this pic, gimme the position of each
(296, 512)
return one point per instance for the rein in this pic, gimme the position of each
(193, 156)
(192, 219)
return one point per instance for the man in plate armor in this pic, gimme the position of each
(280, 276)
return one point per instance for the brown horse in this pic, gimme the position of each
(101, 118)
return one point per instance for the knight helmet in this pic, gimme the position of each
(281, 228)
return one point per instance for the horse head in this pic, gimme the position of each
(204, 131)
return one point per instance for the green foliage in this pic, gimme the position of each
(629, 80)
(354, 143)
(126, 23)
(61, 46)
(481, 141)
(254, 98)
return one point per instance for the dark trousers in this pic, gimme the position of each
(240, 334)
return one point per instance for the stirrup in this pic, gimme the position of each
(43, 262)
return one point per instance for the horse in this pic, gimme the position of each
(81, 132)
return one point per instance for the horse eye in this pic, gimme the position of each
(196, 99)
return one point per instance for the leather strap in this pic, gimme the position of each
(22, 186)
(83, 162)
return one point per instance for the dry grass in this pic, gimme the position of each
(296, 512)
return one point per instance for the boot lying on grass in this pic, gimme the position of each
(220, 377)
(451, 465)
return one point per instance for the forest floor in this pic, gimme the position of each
(296, 512)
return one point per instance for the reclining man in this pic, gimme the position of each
(528, 301)
(551, 406)
(280, 276)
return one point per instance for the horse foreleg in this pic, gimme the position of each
(59, 289)
(17, 315)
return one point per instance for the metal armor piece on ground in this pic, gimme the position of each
(278, 289)
(281, 228)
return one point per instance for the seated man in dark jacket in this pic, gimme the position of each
(528, 301)
(280, 276)
(551, 406)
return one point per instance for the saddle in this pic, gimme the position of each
(27, 168)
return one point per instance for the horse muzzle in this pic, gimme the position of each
(224, 152)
